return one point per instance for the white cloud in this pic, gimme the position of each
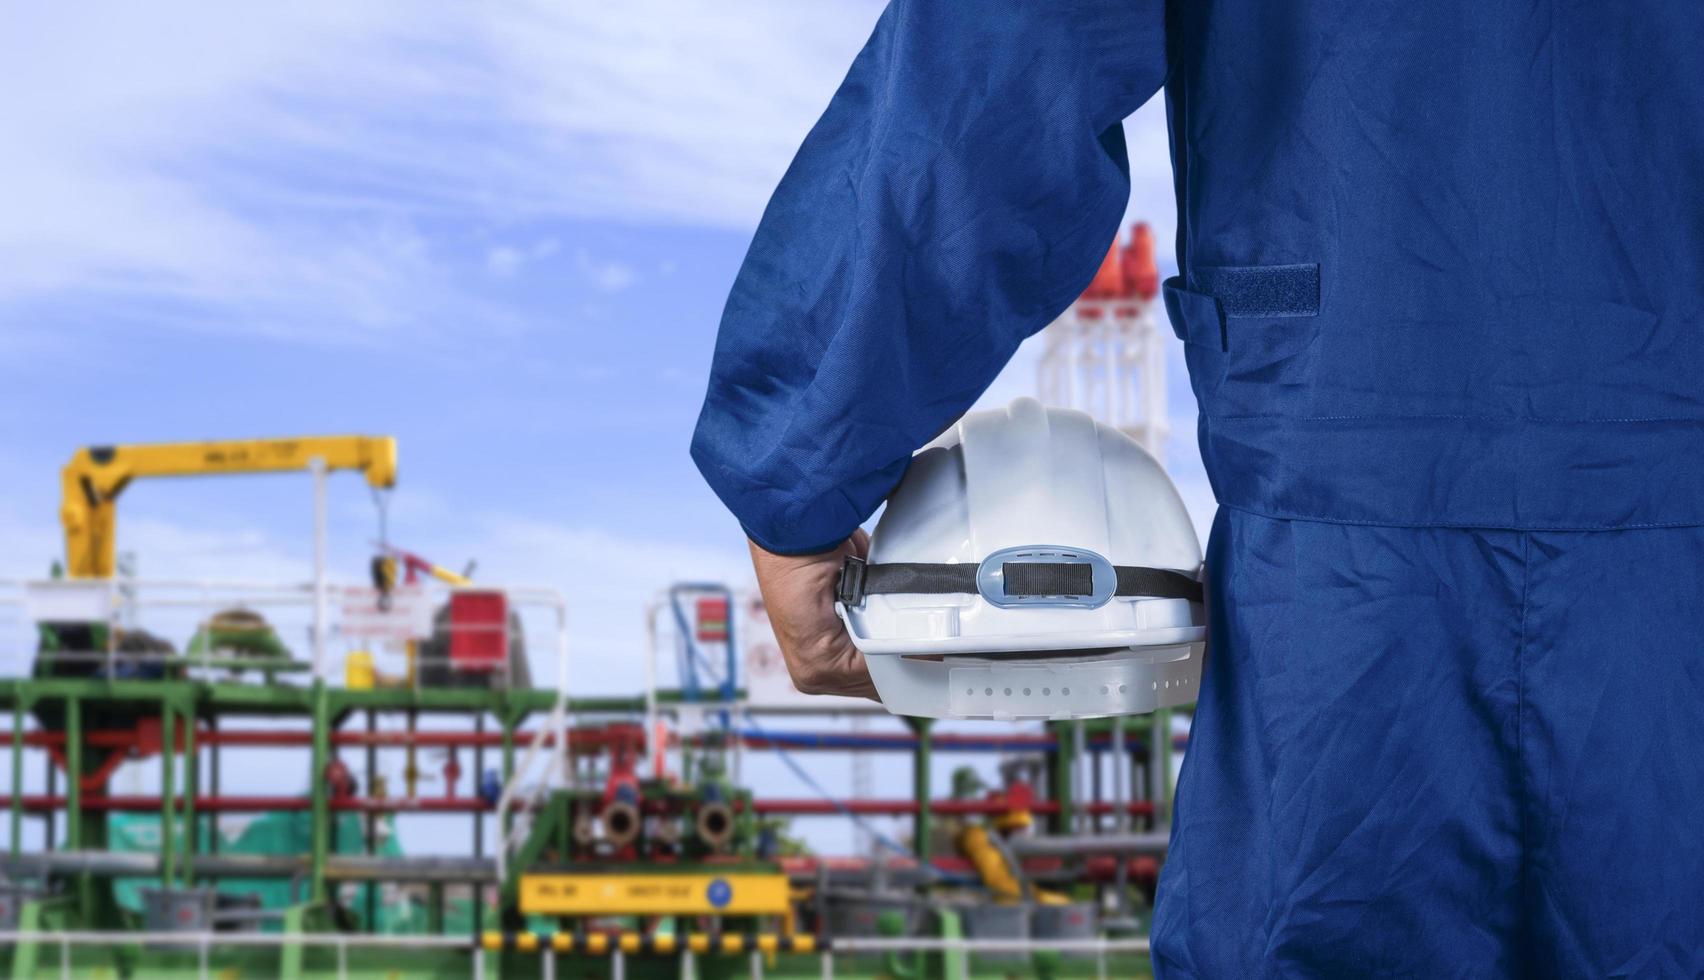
(606, 276)
(119, 182)
(504, 261)
(307, 170)
(290, 169)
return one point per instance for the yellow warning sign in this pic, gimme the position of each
(654, 894)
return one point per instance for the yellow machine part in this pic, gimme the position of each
(359, 674)
(91, 482)
(655, 894)
(996, 874)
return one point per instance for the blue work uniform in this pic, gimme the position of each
(1441, 291)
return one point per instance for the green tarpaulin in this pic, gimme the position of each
(274, 834)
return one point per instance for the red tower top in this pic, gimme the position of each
(1108, 283)
(1141, 274)
(1128, 272)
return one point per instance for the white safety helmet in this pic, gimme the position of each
(1033, 563)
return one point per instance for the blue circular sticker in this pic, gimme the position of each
(720, 892)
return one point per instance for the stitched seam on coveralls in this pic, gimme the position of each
(1520, 745)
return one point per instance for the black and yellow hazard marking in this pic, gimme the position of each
(733, 893)
(639, 944)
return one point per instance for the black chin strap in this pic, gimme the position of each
(859, 579)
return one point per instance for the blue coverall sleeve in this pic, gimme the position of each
(958, 193)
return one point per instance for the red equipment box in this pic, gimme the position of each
(479, 631)
(712, 615)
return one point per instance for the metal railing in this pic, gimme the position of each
(205, 943)
(560, 770)
(190, 610)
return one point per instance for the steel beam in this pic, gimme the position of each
(1083, 845)
(320, 832)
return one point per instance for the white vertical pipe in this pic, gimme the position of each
(656, 753)
(564, 757)
(1121, 823)
(1154, 381)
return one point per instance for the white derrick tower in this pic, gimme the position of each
(1106, 354)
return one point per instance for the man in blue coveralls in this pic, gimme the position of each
(1441, 291)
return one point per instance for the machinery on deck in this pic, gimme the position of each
(643, 844)
(620, 816)
(237, 638)
(92, 481)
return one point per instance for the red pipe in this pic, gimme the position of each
(579, 739)
(812, 807)
(285, 739)
(257, 804)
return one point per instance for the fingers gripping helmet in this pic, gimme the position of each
(1033, 563)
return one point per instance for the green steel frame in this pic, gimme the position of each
(181, 704)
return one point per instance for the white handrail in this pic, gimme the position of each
(204, 941)
(849, 944)
(557, 723)
(119, 936)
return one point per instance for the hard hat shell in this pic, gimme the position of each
(1028, 477)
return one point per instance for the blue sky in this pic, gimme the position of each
(501, 233)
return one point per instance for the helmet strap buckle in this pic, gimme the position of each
(849, 589)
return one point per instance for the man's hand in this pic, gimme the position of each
(798, 592)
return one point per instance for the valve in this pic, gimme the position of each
(714, 824)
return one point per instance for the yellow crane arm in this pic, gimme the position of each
(96, 475)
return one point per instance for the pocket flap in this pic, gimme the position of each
(1196, 318)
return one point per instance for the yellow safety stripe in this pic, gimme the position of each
(637, 943)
